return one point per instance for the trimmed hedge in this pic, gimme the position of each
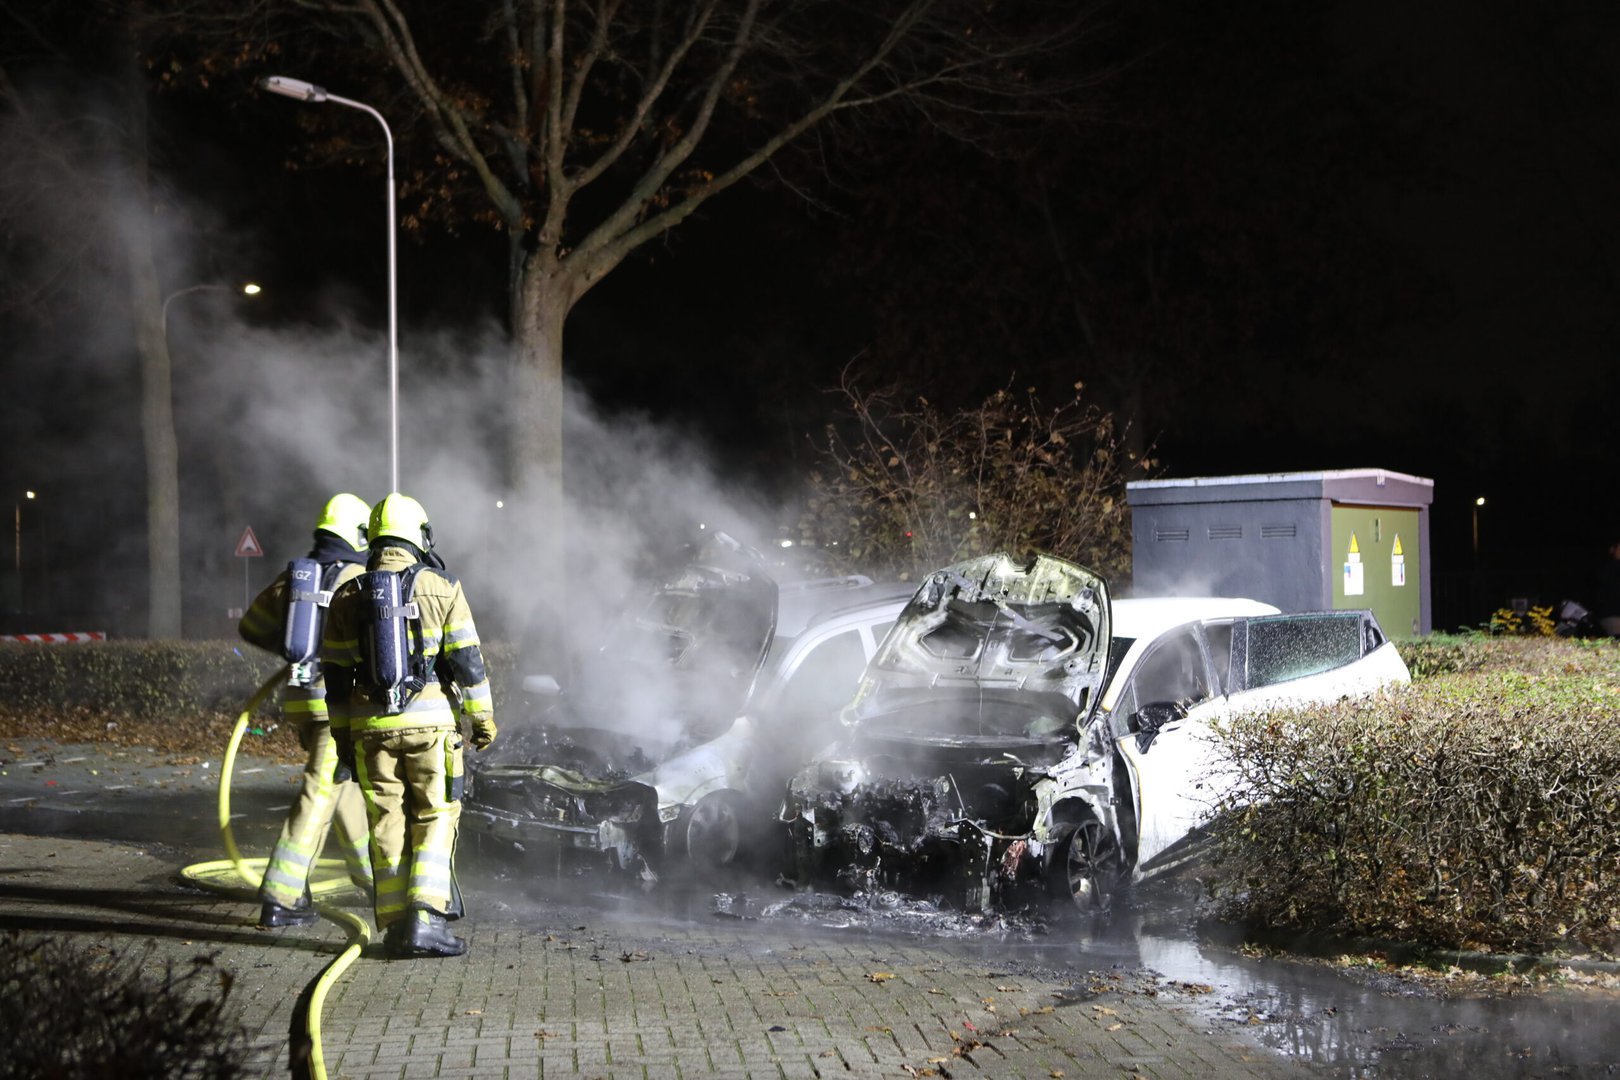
(163, 693)
(1478, 807)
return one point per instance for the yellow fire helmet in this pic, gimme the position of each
(344, 516)
(403, 518)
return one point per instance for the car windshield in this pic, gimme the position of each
(699, 630)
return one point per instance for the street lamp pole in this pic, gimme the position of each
(17, 510)
(300, 90)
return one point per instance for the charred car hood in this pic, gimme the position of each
(992, 657)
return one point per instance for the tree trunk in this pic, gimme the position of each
(535, 547)
(157, 395)
(541, 297)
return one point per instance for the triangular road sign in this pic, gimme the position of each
(248, 547)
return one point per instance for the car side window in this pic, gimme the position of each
(1218, 637)
(1173, 671)
(1289, 647)
(825, 678)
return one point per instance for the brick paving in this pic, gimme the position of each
(630, 997)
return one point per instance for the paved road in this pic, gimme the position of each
(617, 995)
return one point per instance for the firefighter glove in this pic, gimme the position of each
(483, 732)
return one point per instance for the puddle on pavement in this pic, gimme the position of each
(1343, 1023)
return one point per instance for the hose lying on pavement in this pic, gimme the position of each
(225, 875)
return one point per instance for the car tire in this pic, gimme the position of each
(712, 831)
(1081, 871)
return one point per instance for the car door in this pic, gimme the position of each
(1161, 726)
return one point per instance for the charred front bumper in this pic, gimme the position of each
(963, 836)
(538, 806)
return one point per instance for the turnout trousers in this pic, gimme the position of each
(323, 800)
(412, 781)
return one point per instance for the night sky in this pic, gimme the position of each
(1389, 235)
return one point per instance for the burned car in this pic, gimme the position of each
(1019, 736)
(676, 740)
(1134, 801)
(977, 694)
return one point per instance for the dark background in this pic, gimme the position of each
(1358, 236)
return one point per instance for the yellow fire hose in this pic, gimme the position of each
(224, 874)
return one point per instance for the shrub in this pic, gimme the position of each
(1470, 809)
(83, 1014)
(171, 695)
(1440, 654)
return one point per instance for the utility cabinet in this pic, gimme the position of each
(1307, 541)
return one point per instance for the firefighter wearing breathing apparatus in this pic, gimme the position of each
(402, 656)
(287, 619)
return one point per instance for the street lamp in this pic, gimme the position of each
(250, 289)
(300, 90)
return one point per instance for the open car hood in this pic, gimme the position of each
(671, 673)
(689, 653)
(990, 653)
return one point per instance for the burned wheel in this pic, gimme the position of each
(1082, 869)
(713, 831)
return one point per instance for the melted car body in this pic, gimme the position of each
(682, 729)
(974, 697)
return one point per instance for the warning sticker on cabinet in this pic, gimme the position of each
(1355, 580)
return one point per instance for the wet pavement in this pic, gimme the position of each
(581, 974)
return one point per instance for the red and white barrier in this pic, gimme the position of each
(58, 639)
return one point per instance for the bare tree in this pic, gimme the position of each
(904, 487)
(584, 130)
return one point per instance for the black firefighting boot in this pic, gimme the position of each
(424, 933)
(272, 915)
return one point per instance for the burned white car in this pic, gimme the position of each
(973, 700)
(1019, 736)
(675, 743)
(1135, 800)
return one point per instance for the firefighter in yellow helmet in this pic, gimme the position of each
(286, 619)
(402, 654)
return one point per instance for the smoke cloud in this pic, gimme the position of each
(272, 420)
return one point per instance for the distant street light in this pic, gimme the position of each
(300, 90)
(250, 289)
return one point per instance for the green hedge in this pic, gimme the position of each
(155, 681)
(1478, 807)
